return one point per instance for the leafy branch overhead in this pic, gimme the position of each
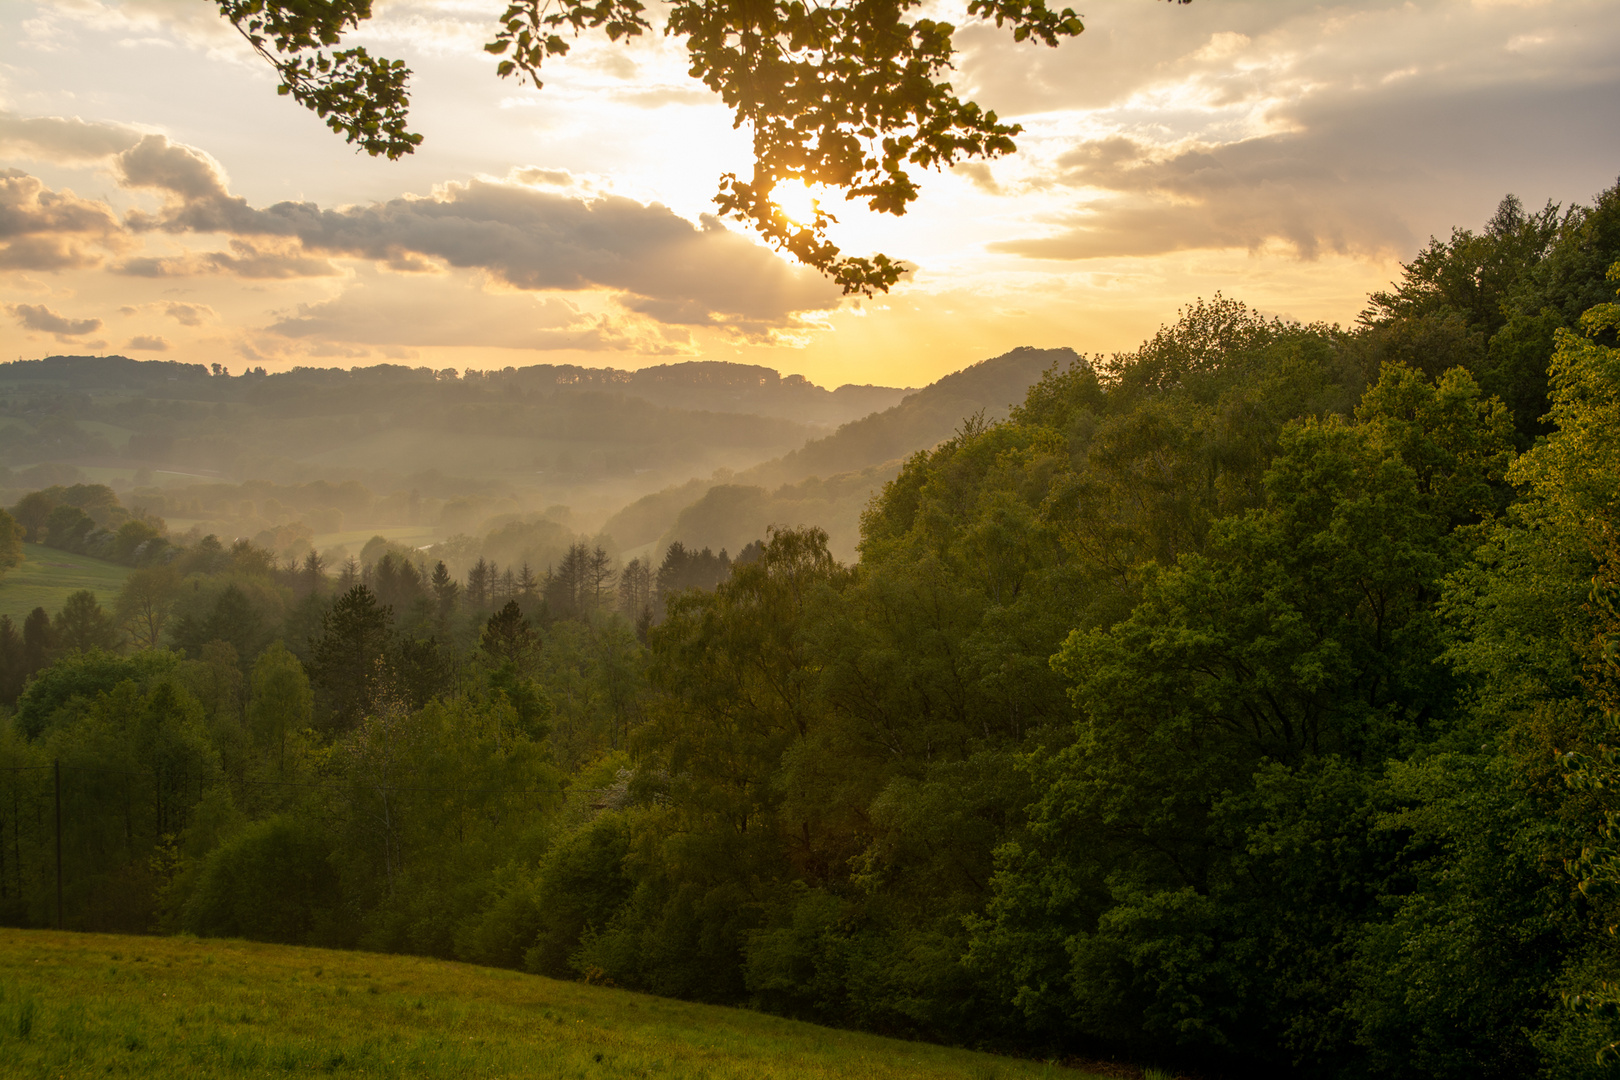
(846, 95)
(360, 96)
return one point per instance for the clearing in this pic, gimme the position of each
(91, 1004)
(46, 577)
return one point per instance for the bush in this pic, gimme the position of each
(272, 882)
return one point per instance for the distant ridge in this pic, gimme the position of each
(706, 385)
(828, 481)
(919, 421)
(109, 372)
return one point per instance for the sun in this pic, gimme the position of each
(795, 200)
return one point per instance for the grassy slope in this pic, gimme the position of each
(93, 1004)
(46, 577)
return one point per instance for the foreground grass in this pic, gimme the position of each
(47, 577)
(77, 1005)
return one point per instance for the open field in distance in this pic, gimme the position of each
(47, 577)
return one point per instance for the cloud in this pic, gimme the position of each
(665, 267)
(41, 229)
(670, 269)
(188, 314)
(182, 171)
(980, 175)
(661, 96)
(1241, 195)
(40, 317)
(1366, 172)
(538, 177)
(66, 140)
(393, 312)
(148, 343)
(249, 259)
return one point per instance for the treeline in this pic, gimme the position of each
(88, 519)
(1244, 703)
(702, 384)
(538, 429)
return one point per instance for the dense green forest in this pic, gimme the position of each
(1242, 703)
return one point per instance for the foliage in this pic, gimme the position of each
(1244, 702)
(11, 542)
(80, 679)
(360, 96)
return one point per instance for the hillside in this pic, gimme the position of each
(93, 1004)
(517, 439)
(702, 385)
(47, 577)
(828, 481)
(919, 421)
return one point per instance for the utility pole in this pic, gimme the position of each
(58, 765)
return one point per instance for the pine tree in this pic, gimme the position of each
(478, 585)
(312, 575)
(507, 635)
(82, 625)
(445, 591)
(11, 661)
(346, 661)
(39, 642)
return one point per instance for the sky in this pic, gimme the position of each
(159, 200)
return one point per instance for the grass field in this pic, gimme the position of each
(78, 1005)
(355, 539)
(46, 577)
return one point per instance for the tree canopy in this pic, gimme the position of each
(1244, 704)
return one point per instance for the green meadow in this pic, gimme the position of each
(46, 577)
(75, 1005)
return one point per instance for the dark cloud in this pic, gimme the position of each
(1241, 195)
(246, 258)
(531, 240)
(1364, 173)
(660, 265)
(41, 229)
(148, 343)
(40, 317)
(193, 184)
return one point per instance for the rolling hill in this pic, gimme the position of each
(829, 480)
(47, 577)
(96, 1004)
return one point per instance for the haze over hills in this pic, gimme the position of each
(710, 453)
(919, 420)
(522, 437)
(828, 481)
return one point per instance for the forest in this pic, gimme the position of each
(1242, 704)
